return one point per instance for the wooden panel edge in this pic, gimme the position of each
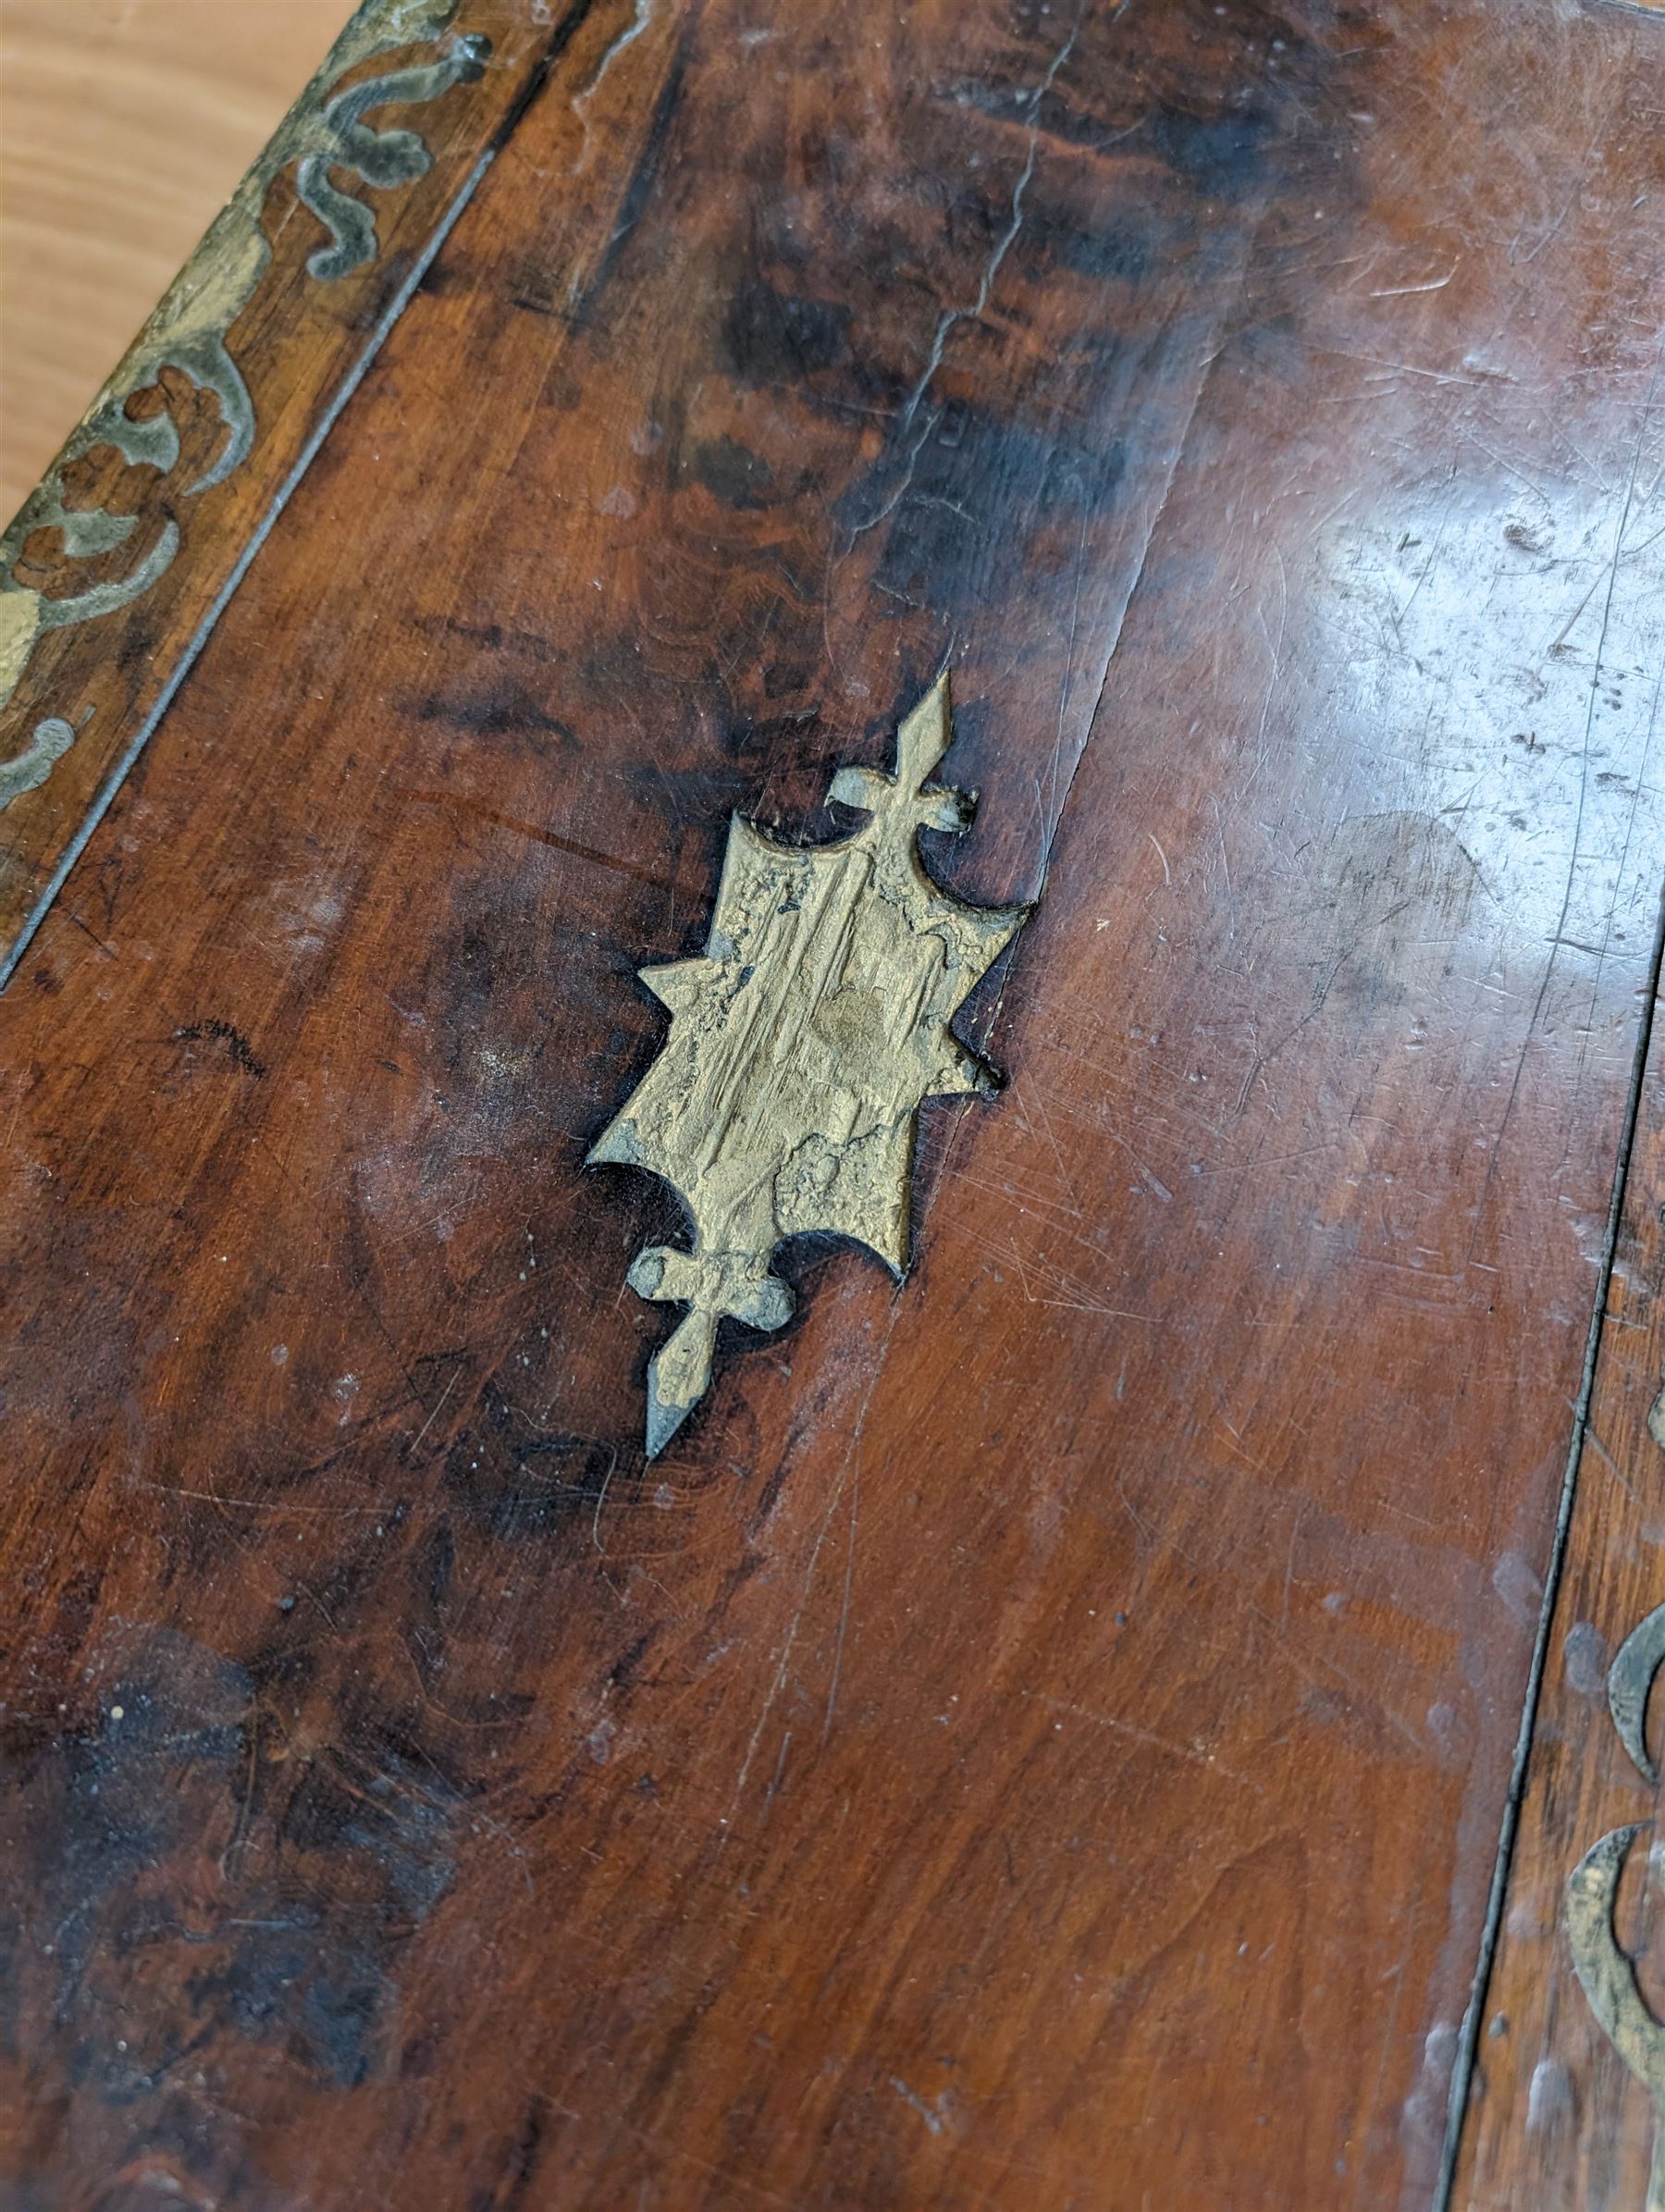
(117, 565)
(1564, 2048)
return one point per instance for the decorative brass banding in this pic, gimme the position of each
(1605, 1970)
(325, 138)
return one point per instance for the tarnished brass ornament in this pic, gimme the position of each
(1606, 1973)
(785, 1097)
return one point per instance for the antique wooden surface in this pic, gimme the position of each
(1038, 1736)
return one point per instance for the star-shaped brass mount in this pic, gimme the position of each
(785, 1097)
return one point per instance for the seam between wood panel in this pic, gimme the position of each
(1468, 2041)
(560, 38)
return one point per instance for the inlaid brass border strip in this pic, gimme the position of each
(384, 149)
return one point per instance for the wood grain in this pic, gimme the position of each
(124, 126)
(1039, 1737)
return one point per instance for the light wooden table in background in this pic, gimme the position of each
(124, 126)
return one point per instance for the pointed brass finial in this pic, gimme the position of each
(802, 1042)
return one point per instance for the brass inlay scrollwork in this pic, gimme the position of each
(802, 1044)
(1606, 1973)
(325, 138)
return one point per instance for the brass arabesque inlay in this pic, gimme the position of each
(327, 139)
(785, 1098)
(1605, 1970)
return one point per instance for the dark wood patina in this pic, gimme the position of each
(1039, 1736)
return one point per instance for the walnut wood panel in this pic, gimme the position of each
(114, 564)
(1038, 1738)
